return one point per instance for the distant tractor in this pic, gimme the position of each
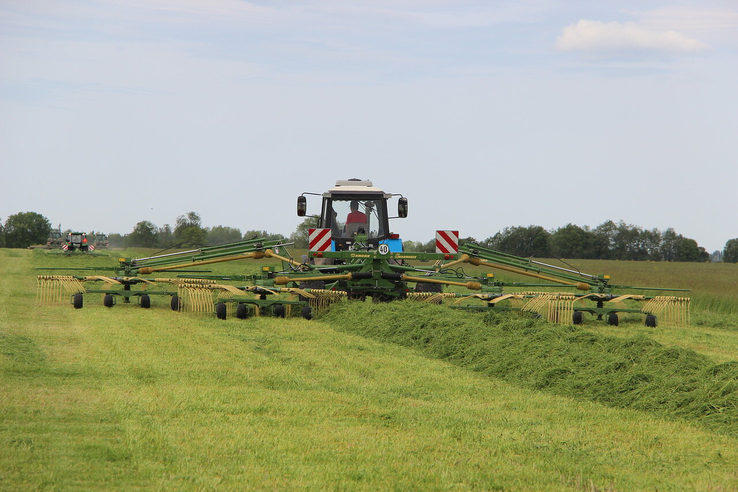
(76, 241)
(100, 240)
(56, 239)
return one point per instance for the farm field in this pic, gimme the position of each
(368, 396)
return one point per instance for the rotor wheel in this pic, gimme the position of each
(221, 312)
(279, 310)
(108, 300)
(77, 301)
(242, 311)
(578, 318)
(145, 301)
(612, 319)
(174, 303)
(651, 321)
(307, 312)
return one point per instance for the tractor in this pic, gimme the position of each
(56, 239)
(76, 241)
(353, 254)
(99, 240)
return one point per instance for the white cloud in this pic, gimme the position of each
(613, 38)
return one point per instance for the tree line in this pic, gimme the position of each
(607, 241)
(187, 232)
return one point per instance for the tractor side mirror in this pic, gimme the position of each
(402, 207)
(301, 206)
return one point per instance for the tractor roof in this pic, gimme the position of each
(354, 186)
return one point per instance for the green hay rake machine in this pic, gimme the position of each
(130, 280)
(353, 255)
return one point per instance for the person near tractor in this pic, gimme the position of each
(355, 215)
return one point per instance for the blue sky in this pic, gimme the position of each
(484, 114)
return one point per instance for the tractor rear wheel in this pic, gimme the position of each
(145, 301)
(612, 319)
(651, 321)
(77, 301)
(221, 310)
(108, 300)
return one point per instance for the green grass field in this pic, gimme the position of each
(401, 396)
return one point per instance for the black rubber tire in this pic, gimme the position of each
(77, 301)
(108, 300)
(145, 301)
(307, 312)
(174, 303)
(578, 317)
(221, 312)
(612, 319)
(279, 310)
(651, 321)
(242, 311)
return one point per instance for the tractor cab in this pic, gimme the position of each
(356, 208)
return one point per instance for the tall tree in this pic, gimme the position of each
(166, 237)
(730, 252)
(670, 244)
(689, 250)
(26, 228)
(572, 241)
(651, 243)
(144, 235)
(531, 241)
(222, 235)
(608, 232)
(188, 231)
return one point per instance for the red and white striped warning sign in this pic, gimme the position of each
(319, 240)
(447, 242)
(65, 247)
(92, 247)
